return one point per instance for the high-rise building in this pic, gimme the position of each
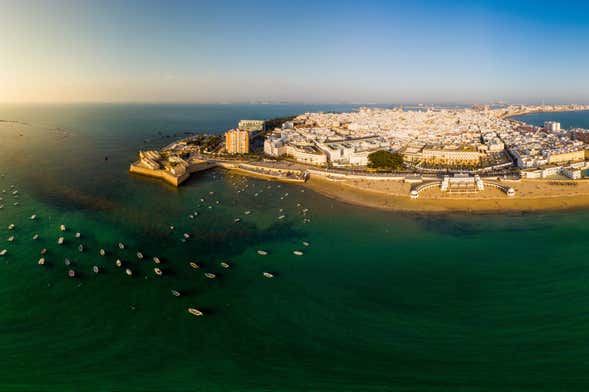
(552, 126)
(237, 141)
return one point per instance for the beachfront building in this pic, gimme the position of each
(237, 141)
(451, 155)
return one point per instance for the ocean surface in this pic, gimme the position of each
(378, 302)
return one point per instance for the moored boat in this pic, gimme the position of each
(67, 261)
(236, 220)
(60, 240)
(43, 251)
(3, 252)
(11, 238)
(156, 260)
(262, 252)
(210, 275)
(11, 226)
(35, 237)
(224, 264)
(175, 293)
(195, 312)
(194, 265)
(297, 253)
(33, 217)
(62, 227)
(157, 271)
(102, 252)
(118, 263)
(121, 245)
(95, 269)
(139, 255)
(305, 243)
(81, 248)
(41, 261)
(71, 273)
(78, 235)
(268, 275)
(128, 272)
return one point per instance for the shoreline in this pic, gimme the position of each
(371, 198)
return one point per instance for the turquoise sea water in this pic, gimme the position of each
(379, 301)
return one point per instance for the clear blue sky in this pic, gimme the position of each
(312, 51)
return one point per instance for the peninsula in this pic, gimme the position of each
(421, 159)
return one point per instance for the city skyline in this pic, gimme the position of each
(369, 52)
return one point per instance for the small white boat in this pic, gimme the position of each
(281, 217)
(191, 216)
(67, 261)
(268, 275)
(95, 269)
(172, 227)
(195, 312)
(118, 263)
(262, 252)
(62, 228)
(156, 260)
(305, 243)
(78, 235)
(71, 273)
(102, 252)
(157, 271)
(186, 235)
(121, 245)
(33, 217)
(139, 255)
(210, 275)
(224, 264)
(236, 220)
(247, 212)
(43, 251)
(41, 261)
(175, 293)
(128, 272)
(194, 265)
(60, 240)
(297, 253)
(35, 237)
(3, 252)
(11, 238)
(81, 248)
(11, 226)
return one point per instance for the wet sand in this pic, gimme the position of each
(532, 195)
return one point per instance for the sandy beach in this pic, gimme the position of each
(532, 195)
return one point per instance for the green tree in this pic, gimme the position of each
(385, 160)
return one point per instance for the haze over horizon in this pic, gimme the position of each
(296, 51)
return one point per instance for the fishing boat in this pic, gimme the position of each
(33, 217)
(268, 275)
(62, 228)
(224, 264)
(78, 235)
(128, 272)
(118, 263)
(81, 248)
(41, 261)
(195, 312)
(67, 261)
(60, 240)
(139, 255)
(43, 251)
(35, 237)
(157, 271)
(71, 273)
(3, 252)
(156, 260)
(297, 253)
(11, 238)
(305, 243)
(175, 293)
(194, 265)
(102, 252)
(210, 275)
(95, 269)
(121, 245)
(262, 252)
(236, 220)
